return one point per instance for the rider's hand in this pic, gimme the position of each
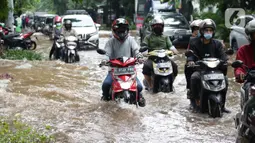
(191, 63)
(240, 78)
(139, 56)
(103, 62)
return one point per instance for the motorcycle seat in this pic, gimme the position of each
(11, 36)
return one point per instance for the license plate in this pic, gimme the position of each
(125, 70)
(180, 37)
(163, 65)
(214, 77)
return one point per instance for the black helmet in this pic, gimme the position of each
(68, 24)
(120, 29)
(157, 25)
(207, 23)
(250, 28)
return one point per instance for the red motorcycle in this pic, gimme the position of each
(124, 79)
(22, 41)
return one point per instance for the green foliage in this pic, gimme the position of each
(21, 54)
(3, 9)
(17, 132)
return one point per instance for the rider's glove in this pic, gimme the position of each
(191, 63)
(240, 78)
(139, 56)
(103, 62)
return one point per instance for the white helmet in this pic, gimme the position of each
(196, 23)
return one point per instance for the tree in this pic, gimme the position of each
(4, 10)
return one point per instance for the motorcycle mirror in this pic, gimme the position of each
(230, 51)
(101, 51)
(237, 64)
(189, 53)
(98, 25)
(143, 49)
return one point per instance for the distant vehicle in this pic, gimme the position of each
(40, 21)
(176, 27)
(86, 28)
(238, 37)
(78, 12)
(143, 7)
(47, 25)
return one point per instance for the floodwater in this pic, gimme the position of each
(67, 98)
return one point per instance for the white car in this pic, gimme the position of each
(86, 29)
(237, 36)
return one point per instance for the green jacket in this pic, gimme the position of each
(155, 42)
(19, 25)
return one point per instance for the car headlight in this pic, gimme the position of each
(92, 34)
(189, 32)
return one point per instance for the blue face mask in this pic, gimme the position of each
(208, 36)
(198, 34)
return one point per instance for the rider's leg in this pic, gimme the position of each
(106, 87)
(147, 70)
(195, 88)
(142, 101)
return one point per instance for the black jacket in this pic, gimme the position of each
(213, 49)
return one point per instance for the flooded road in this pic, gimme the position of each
(67, 98)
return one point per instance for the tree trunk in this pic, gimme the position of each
(10, 20)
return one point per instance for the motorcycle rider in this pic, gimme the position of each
(205, 47)
(246, 53)
(68, 31)
(156, 41)
(56, 33)
(189, 70)
(121, 44)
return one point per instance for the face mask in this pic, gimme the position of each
(207, 36)
(198, 34)
(158, 30)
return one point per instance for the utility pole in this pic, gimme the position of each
(9, 22)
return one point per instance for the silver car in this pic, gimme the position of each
(176, 27)
(237, 37)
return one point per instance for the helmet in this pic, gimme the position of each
(58, 19)
(68, 25)
(250, 28)
(207, 23)
(195, 23)
(157, 25)
(120, 29)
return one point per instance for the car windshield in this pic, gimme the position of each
(81, 22)
(175, 21)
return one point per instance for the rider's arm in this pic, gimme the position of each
(135, 47)
(170, 46)
(74, 33)
(222, 55)
(146, 42)
(240, 56)
(192, 47)
(108, 49)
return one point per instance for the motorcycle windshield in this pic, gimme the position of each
(211, 62)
